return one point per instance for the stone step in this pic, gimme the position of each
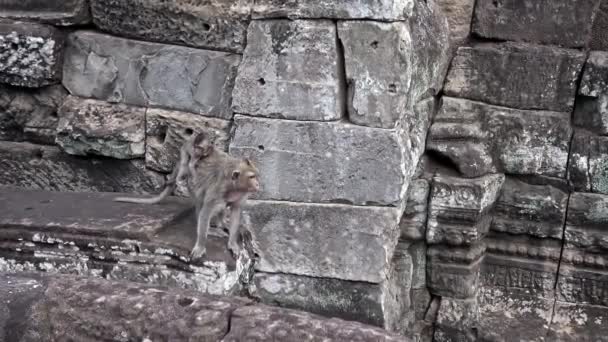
(89, 309)
(89, 234)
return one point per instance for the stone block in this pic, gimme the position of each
(458, 208)
(582, 276)
(268, 323)
(599, 31)
(588, 166)
(149, 74)
(378, 62)
(60, 13)
(355, 301)
(30, 114)
(521, 262)
(323, 240)
(290, 70)
(564, 23)
(516, 75)
(535, 210)
(382, 10)
(215, 25)
(513, 315)
(457, 320)
(47, 168)
(480, 138)
(459, 14)
(167, 130)
(454, 271)
(30, 54)
(324, 161)
(595, 75)
(578, 322)
(591, 110)
(413, 222)
(95, 127)
(392, 66)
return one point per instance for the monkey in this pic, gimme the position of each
(216, 180)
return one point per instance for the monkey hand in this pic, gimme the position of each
(198, 251)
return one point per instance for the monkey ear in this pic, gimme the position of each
(236, 174)
(248, 161)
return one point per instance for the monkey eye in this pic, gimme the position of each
(252, 177)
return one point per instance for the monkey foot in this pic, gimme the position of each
(198, 252)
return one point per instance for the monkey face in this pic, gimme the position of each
(246, 177)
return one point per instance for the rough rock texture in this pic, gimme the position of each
(89, 126)
(536, 210)
(291, 70)
(414, 220)
(459, 14)
(45, 167)
(456, 320)
(599, 32)
(30, 54)
(30, 114)
(382, 10)
(582, 276)
(323, 240)
(391, 66)
(572, 323)
(480, 138)
(458, 208)
(516, 75)
(62, 13)
(591, 111)
(453, 271)
(323, 161)
(215, 25)
(50, 308)
(42, 231)
(149, 74)
(588, 166)
(565, 23)
(167, 130)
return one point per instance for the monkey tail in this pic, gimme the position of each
(153, 200)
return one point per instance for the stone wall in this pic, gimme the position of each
(495, 233)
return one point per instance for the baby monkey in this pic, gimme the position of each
(215, 180)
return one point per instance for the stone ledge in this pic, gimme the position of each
(80, 309)
(89, 234)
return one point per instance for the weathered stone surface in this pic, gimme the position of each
(149, 74)
(167, 130)
(413, 222)
(417, 254)
(290, 70)
(63, 13)
(383, 10)
(536, 210)
(599, 32)
(480, 138)
(378, 62)
(565, 23)
(45, 167)
(588, 166)
(392, 66)
(264, 323)
(324, 161)
(573, 322)
(516, 75)
(513, 315)
(582, 276)
(521, 262)
(89, 126)
(458, 208)
(41, 231)
(591, 111)
(30, 54)
(323, 240)
(30, 114)
(355, 301)
(454, 271)
(457, 320)
(215, 25)
(459, 14)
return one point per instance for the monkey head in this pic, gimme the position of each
(201, 146)
(245, 176)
